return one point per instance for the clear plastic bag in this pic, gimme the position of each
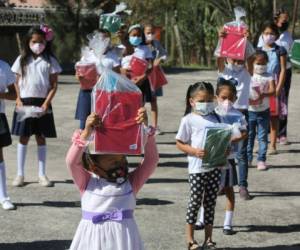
(117, 100)
(25, 112)
(138, 67)
(157, 78)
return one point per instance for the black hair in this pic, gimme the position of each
(141, 29)
(193, 89)
(225, 83)
(262, 53)
(271, 25)
(27, 53)
(281, 10)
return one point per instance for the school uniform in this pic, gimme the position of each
(34, 87)
(83, 109)
(7, 78)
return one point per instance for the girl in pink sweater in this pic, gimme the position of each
(108, 191)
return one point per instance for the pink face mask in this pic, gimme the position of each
(37, 48)
(269, 39)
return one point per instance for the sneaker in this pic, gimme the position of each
(261, 165)
(209, 245)
(45, 182)
(7, 205)
(283, 141)
(228, 231)
(272, 151)
(244, 194)
(18, 181)
(199, 226)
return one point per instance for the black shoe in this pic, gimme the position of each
(228, 231)
(199, 226)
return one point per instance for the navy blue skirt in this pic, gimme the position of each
(5, 138)
(148, 95)
(43, 126)
(83, 108)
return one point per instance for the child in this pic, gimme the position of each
(236, 71)
(263, 85)
(137, 39)
(7, 79)
(37, 72)
(203, 182)
(108, 192)
(276, 67)
(159, 55)
(109, 60)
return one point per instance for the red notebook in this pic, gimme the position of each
(233, 45)
(89, 75)
(120, 133)
(138, 67)
(157, 78)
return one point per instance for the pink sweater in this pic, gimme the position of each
(137, 178)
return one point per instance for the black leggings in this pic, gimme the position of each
(206, 186)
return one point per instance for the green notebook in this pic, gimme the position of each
(110, 22)
(295, 53)
(216, 143)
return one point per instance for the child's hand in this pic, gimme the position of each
(93, 121)
(200, 153)
(142, 116)
(157, 62)
(139, 80)
(222, 33)
(78, 76)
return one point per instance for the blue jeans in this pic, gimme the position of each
(242, 159)
(259, 121)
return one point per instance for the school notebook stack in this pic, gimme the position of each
(157, 78)
(138, 67)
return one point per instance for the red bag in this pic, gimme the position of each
(274, 106)
(233, 45)
(157, 78)
(138, 67)
(117, 101)
(88, 73)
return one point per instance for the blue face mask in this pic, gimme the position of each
(135, 40)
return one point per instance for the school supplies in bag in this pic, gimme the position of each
(117, 101)
(138, 67)
(87, 73)
(25, 112)
(295, 53)
(233, 45)
(157, 78)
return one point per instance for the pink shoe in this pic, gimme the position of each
(261, 165)
(283, 141)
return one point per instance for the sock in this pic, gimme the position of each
(201, 217)
(42, 151)
(228, 219)
(22, 149)
(3, 192)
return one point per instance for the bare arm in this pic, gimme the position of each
(186, 148)
(53, 89)
(282, 74)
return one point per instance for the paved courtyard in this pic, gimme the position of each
(46, 218)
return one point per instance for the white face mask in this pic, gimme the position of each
(224, 107)
(234, 67)
(37, 48)
(260, 69)
(150, 37)
(204, 108)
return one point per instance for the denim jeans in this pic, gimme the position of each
(242, 159)
(258, 123)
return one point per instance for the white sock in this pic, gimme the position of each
(22, 149)
(3, 192)
(201, 216)
(228, 219)
(42, 151)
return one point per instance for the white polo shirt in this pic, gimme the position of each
(7, 78)
(36, 82)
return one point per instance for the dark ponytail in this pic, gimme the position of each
(193, 89)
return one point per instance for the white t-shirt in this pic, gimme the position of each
(36, 82)
(263, 81)
(7, 78)
(142, 52)
(243, 88)
(191, 131)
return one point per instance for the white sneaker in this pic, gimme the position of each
(158, 131)
(7, 205)
(45, 182)
(18, 181)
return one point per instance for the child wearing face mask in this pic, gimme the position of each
(108, 191)
(36, 73)
(262, 87)
(204, 183)
(136, 38)
(109, 60)
(159, 55)
(277, 67)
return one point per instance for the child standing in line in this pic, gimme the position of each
(37, 72)
(263, 86)
(277, 67)
(108, 191)
(109, 60)
(204, 183)
(159, 55)
(7, 80)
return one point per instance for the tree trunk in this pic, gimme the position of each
(179, 45)
(19, 44)
(295, 13)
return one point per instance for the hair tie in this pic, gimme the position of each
(49, 34)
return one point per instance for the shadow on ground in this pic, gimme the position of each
(50, 204)
(279, 247)
(153, 202)
(45, 245)
(258, 194)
